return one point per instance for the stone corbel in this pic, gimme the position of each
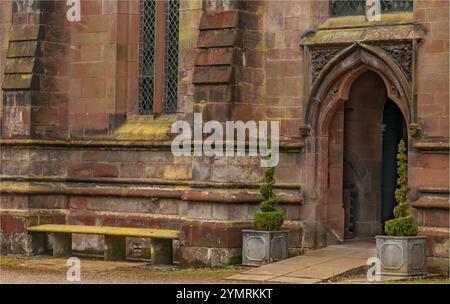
(414, 129)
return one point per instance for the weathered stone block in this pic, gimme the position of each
(217, 38)
(19, 82)
(26, 32)
(218, 20)
(212, 74)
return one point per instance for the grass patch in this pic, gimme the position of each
(7, 261)
(439, 279)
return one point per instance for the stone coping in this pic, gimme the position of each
(387, 19)
(364, 34)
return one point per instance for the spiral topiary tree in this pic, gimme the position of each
(403, 224)
(270, 217)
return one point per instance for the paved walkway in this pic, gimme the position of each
(314, 266)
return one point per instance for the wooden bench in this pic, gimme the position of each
(115, 246)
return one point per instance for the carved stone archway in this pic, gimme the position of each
(329, 91)
(333, 83)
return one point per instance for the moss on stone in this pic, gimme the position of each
(17, 81)
(19, 66)
(25, 32)
(146, 128)
(350, 35)
(293, 252)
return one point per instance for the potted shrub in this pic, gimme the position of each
(401, 251)
(266, 243)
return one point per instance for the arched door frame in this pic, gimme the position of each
(330, 91)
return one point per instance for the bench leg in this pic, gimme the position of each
(115, 248)
(37, 241)
(62, 244)
(161, 252)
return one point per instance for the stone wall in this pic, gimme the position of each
(432, 67)
(5, 24)
(429, 168)
(35, 74)
(89, 159)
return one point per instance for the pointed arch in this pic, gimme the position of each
(333, 83)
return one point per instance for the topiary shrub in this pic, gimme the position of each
(403, 224)
(269, 221)
(270, 217)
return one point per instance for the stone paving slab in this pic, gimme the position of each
(251, 277)
(293, 280)
(314, 266)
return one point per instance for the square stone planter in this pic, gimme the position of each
(401, 255)
(263, 247)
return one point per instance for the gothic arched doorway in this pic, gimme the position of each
(372, 127)
(349, 110)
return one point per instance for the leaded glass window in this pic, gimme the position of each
(158, 57)
(171, 60)
(358, 7)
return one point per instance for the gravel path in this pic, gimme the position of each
(25, 276)
(53, 271)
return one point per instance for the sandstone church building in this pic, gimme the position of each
(87, 106)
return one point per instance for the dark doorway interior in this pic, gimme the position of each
(393, 132)
(362, 157)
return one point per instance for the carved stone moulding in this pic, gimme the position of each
(320, 56)
(402, 55)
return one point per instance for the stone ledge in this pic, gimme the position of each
(103, 144)
(434, 190)
(292, 145)
(19, 49)
(434, 231)
(427, 202)
(19, 66)
(433, 146)
(19, 82)
(387, 19)
(147, 181)
(367, 34)
(26, 32)
(146, 128)
(184, 193)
